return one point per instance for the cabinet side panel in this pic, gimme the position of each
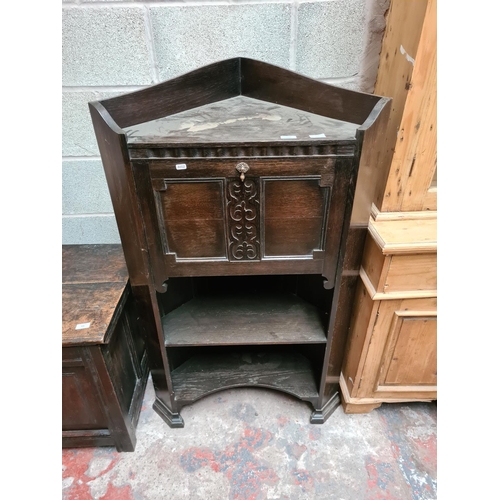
(347, 293)
(364, 314)
(119, 176)
(114, 155)
(339, 214)
(122, 366)
(413, 360)
(348, 284)
(132, 315)
(373, 263)
(81, 407)
(411, 273)
(374, 165)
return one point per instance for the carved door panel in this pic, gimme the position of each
(208, 215)
(243, 219)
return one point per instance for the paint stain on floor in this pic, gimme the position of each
(253, 444)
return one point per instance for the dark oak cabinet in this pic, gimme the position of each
(233, 190)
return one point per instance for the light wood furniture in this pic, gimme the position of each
(391, 347)
(104, 361)
(391, 352)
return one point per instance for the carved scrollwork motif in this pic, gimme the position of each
(243, 219)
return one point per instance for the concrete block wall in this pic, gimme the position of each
(111, 47)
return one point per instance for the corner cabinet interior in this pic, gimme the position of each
(233, 189)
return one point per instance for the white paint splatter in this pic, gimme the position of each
(191, 127)
(99, 486)
(97, 466)
(408, 57)
(67, 482)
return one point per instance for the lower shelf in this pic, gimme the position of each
(287, 371)
(258, 318)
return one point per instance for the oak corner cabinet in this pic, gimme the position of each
(233, 189)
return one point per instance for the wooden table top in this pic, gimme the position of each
(94, 281)
(93, 264)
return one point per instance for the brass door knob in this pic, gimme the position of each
(242, 168)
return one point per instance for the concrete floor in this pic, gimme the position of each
(253, 444)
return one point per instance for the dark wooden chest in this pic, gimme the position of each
(104, 360)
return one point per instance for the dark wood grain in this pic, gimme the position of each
(296, 187)
(121, 363)
(94, 303)
(114, 155)
(127, 209)
(193, 215)
(81, 406)
(293, 148)
(93, 264)
(295, 215)
(211, 83)
(350, 273)
(354, 247)
(325, 393)
(119, 421)
(244, 318)
(339, 214)
(285, 371)
(104, 367)
(243, 197)
(374, 162)
(264, 81)
(87, 438)
(223, 168)
(192, 200)
(294, 198)
(195, 239)
(341, 327)
(289, 237)
(242, 268)
(240, 119)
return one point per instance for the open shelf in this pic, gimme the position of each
(237, 319)
(285, 370)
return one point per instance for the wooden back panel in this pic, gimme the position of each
(211, 83)
(270, 83)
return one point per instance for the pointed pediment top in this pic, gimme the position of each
(319, 107)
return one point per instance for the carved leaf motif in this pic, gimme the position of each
(243, 220)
